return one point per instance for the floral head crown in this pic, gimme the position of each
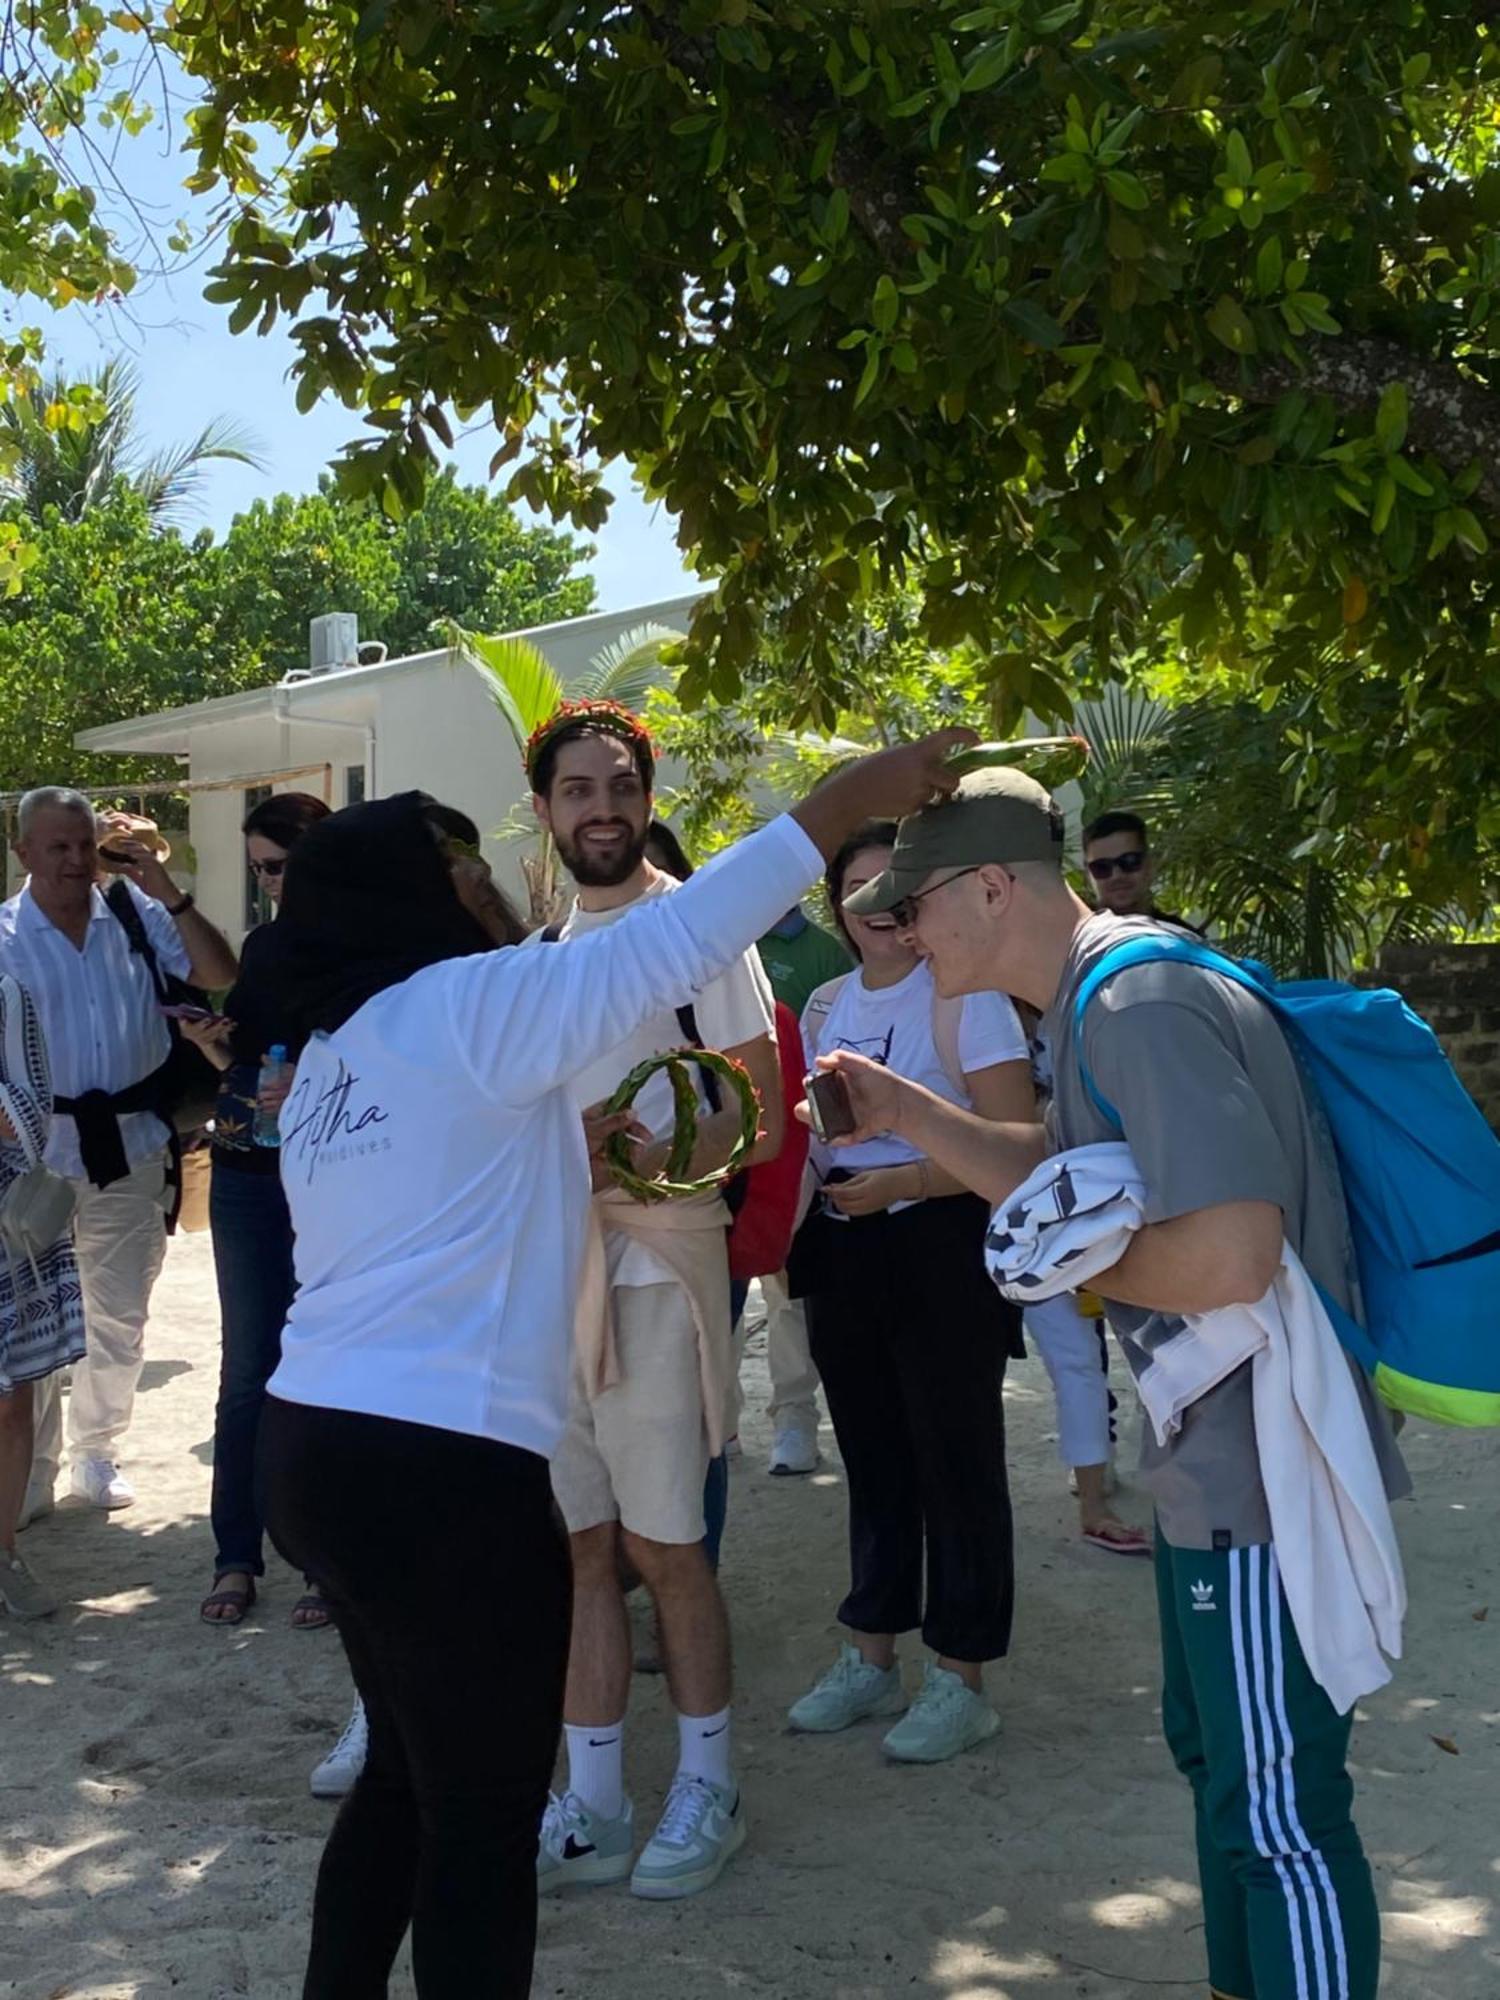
(609, 718)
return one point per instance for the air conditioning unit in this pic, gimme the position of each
(333, 642)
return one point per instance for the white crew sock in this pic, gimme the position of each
(596, 1770)
(703, 1747)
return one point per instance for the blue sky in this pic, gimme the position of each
(193, 370)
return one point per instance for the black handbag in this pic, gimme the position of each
(187, 1082)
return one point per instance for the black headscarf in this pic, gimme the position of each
(367, 902)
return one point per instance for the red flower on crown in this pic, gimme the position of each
(611, 717)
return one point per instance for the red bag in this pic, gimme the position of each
(761, 1234)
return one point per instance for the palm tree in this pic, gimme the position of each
(527, 688)
(1239, 846)
(65, 449)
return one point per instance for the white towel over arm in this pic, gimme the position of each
(1330, 1518)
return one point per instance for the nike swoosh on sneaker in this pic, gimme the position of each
(575, 1850)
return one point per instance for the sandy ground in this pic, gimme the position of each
(158, 1836)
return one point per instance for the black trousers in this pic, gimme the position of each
(911, 1340)
(447, 1569)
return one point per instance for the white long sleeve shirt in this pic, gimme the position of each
(434, 1160)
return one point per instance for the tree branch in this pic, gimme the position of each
(1449, 414)
(880, 189)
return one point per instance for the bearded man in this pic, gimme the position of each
(653, 1365)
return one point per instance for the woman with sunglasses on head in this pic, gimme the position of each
(911, 1341)
(252, 1230)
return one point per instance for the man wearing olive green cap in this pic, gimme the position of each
(1210, 1102)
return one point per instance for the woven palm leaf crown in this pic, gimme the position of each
(605, 718)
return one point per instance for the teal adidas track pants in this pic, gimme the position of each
(1288, 1903)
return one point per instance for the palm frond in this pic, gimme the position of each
(628, 668)
(66, 450)
(1131, 739)
(169, 480)
(525, 684)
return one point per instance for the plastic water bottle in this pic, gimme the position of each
(274, 1070)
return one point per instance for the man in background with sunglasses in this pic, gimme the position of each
(1122, 868)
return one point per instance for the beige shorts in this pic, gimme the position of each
(638, 1453)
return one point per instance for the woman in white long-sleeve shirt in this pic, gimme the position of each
(438, 1181)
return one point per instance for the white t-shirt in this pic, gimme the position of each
(735, 1008)
(892, 1025)
(435, 1166)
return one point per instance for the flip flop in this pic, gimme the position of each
(311, 1601)
(1121, 1541)
(236, 1602)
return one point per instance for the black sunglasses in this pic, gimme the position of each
(905, 912)
(271, 870)
(1130, 862)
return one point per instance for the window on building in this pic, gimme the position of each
(354, 784)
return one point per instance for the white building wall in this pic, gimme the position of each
(430, 725)
(240, 748)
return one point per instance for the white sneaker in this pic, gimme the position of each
(101, 1482)
(794, 1449)
(334, 1777)
(850, 1690)
(701, 1830)
(945, 1718)
(582, 1846)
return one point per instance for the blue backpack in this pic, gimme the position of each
(1421, 1172)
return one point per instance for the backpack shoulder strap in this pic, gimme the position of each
(1150, 951)
(123, 909)
(820, 1001)
(687, 1022)
(947, 1021)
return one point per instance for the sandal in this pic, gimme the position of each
(310, 1613)
(234, 1603)
(1118, 1538)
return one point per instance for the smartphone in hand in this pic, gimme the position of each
(181, 1010)
(830, 1110)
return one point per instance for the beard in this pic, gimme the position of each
(602, 871)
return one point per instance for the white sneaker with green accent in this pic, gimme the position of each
(850, 1690)
(582, 1846)
(946, 1717)
(701, 1830)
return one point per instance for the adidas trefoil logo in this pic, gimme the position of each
(1203, 1596)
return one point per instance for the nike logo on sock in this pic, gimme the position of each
(599, 1742)
(715, 1732)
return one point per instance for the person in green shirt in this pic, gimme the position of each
(799, 956)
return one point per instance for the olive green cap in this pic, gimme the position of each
(997, 815)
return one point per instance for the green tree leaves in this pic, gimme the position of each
(997, 305)
(119, 618)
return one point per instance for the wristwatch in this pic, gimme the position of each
(187, 903)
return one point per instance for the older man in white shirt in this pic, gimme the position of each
(106, 1035)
